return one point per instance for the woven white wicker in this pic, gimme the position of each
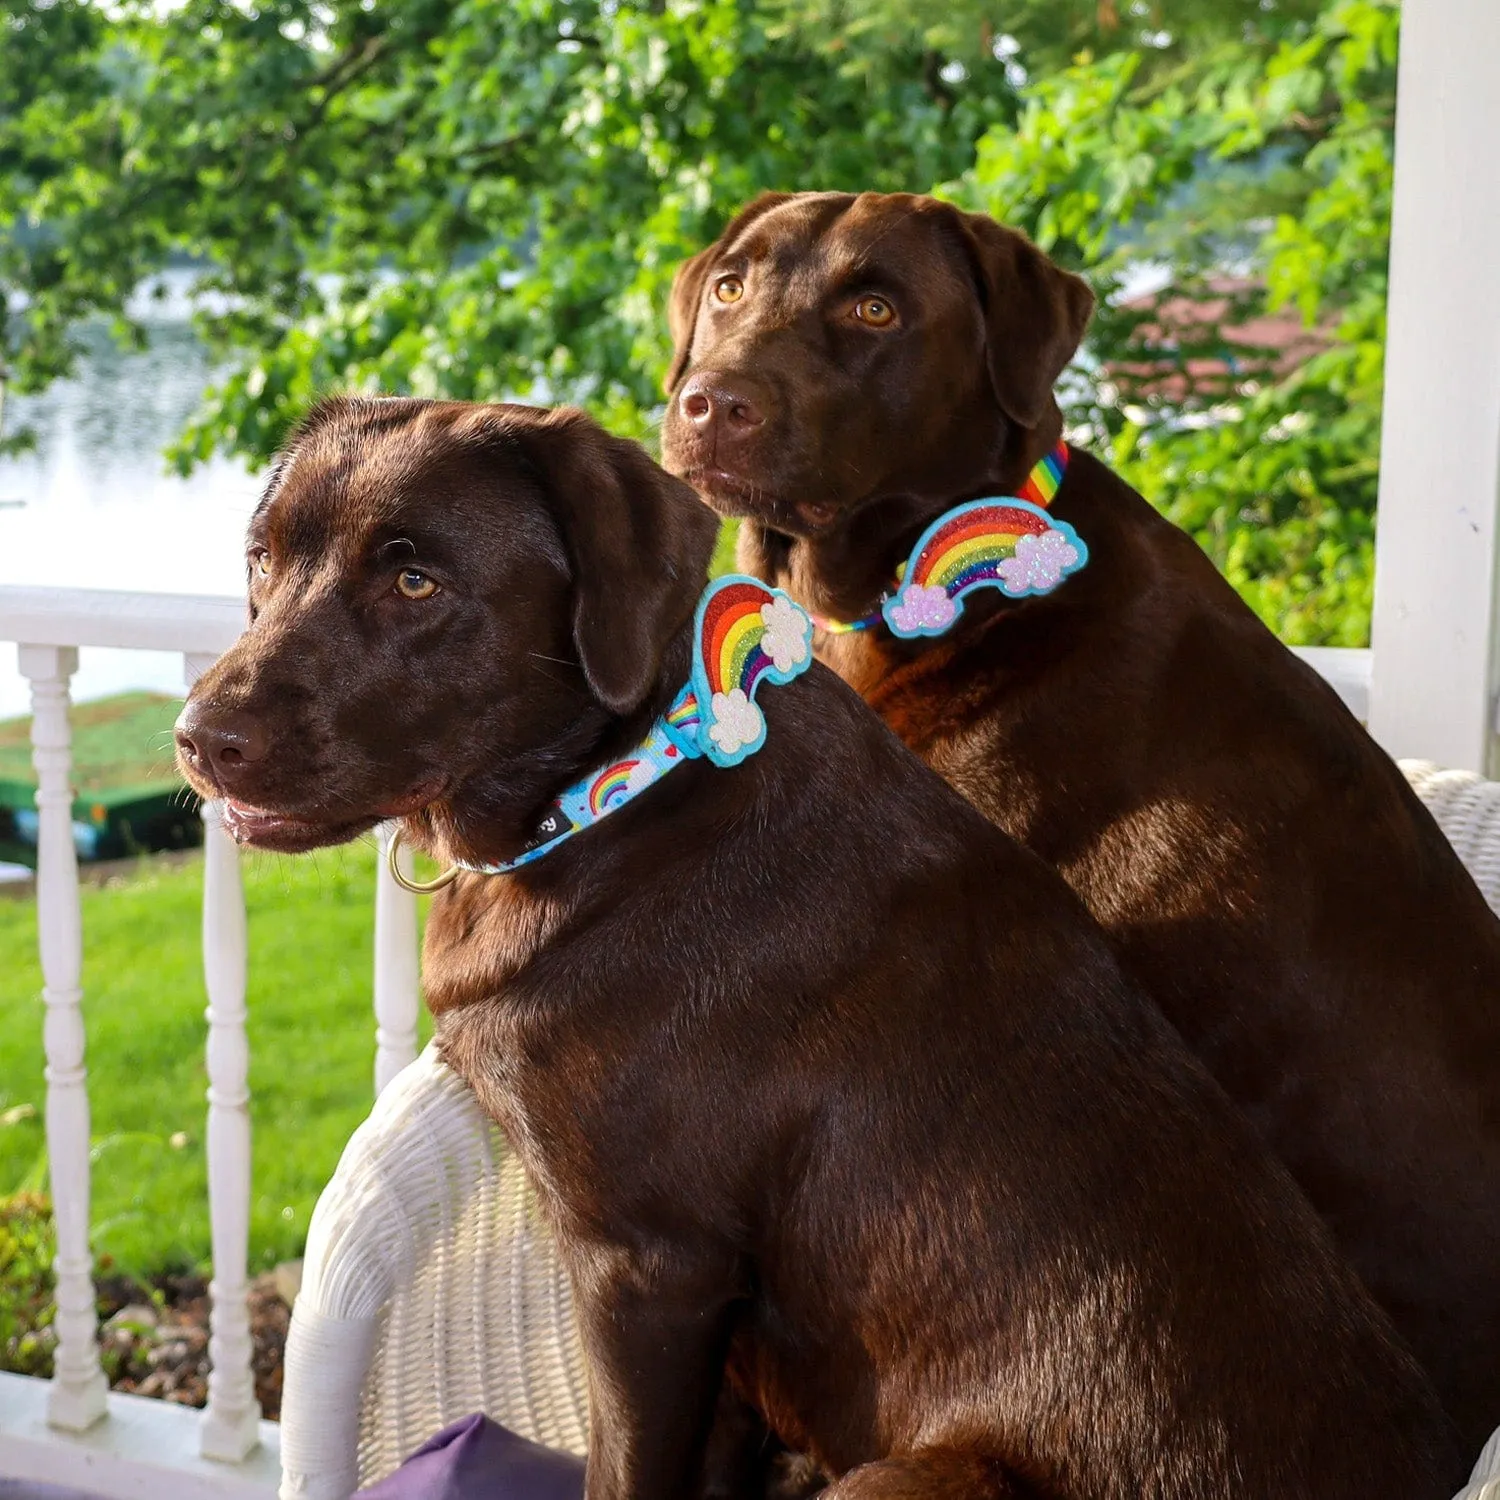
(431, 1289)
(1467, 808)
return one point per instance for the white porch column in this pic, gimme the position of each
(1437, 668)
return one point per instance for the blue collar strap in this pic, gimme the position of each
(743, 634)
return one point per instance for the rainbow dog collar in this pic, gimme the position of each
(1005, 542)
(744, 634)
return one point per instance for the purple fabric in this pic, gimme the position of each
(476, 1459)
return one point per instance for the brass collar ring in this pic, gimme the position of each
(416, 887)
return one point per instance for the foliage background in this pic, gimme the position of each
(487, 198)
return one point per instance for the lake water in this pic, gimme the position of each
(99, 508)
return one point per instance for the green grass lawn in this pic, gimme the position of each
(123, 741)
(312, 1049)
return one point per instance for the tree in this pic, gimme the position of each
(47, 57)
(487, 198)
(1280, 165)
(1038, 37)
(469, 197)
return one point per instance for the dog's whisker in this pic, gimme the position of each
(570, 687)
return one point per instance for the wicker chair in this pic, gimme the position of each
(431, 1290)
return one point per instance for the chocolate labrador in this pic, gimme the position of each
(851, 370)
(822, 1080)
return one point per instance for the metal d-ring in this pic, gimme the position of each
(416, 887)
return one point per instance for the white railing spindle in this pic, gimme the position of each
(397, 982)
(77, 1397)
(230, 1429)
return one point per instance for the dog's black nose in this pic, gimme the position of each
(219, 743)
(734, 404)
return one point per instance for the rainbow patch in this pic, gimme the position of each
(1009, 544)
(1044, 481)
(971, 546)
(730, 634)
(683, 715)
(745, 634)
(610, 786)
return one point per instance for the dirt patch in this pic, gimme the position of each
(153, 1339)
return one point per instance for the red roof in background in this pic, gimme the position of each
(1225, 353)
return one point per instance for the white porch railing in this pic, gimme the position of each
(71, 1429)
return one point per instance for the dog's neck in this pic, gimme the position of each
(493, 815)
(843, 573)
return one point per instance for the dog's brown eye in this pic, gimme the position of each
(411, 584)
(729, 289)
(263, 563)
(875, 311)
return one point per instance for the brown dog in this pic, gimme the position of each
(847, 370)
(817, 1073)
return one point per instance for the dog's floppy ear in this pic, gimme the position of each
(639, 542)
(1035, 315)
(687, 285)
